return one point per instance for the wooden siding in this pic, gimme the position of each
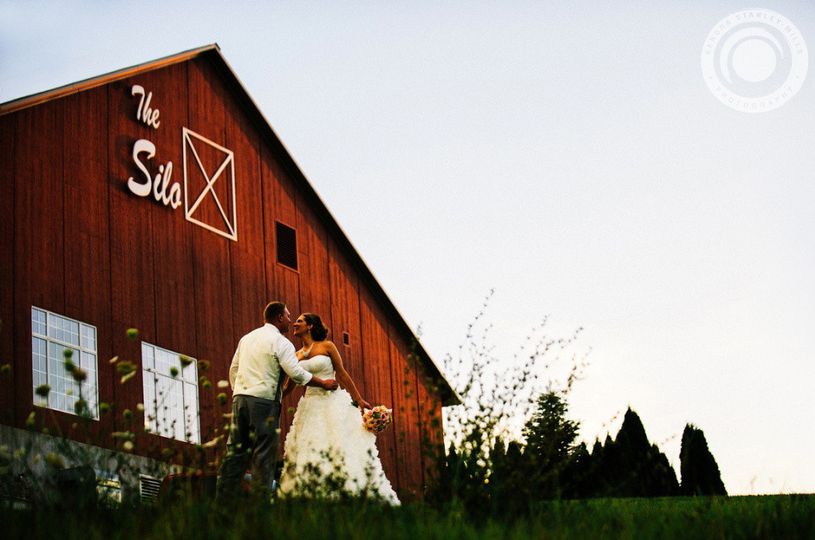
(376, 367)
(406, 420)
(87, 262)
(39, 262)
(76, 241)
(8, 137)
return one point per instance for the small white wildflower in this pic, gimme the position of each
(212, 443)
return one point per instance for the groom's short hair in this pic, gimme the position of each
(273, 310)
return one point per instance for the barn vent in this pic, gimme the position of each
(149, 488)
(286, 245)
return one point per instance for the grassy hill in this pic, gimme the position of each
(781, 516)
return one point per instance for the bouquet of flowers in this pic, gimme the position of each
(377, 419)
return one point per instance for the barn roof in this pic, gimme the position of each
(212, 53)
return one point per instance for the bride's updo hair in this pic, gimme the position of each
(318, 330)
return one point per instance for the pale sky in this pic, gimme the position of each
(570, 156)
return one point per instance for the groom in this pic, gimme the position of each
(255, 377)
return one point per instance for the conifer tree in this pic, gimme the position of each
(633, 449)
(700, 473)
(508, 485)
(550, 441)
(576, 481)
(632, 438)
(596, 484)
(630, 466)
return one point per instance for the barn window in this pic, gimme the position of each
(346, 338)
(170, 394)
(108, 486)
(54, 385)
(286, 245)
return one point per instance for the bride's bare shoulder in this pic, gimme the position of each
(327, 346)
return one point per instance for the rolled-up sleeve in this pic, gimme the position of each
(288, 361)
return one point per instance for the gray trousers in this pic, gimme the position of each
(253, 437)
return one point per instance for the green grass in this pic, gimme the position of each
(783, 516)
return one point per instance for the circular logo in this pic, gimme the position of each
(754, 60)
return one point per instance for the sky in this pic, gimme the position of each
(569, 156)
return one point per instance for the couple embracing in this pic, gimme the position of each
(327, 447)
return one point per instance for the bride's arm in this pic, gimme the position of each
(287, 388)
(343, 377)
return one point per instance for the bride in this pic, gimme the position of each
(327, 450)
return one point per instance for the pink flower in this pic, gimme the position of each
(377, 419)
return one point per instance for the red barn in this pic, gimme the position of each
(159, 198)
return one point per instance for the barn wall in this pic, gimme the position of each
(76, 241)
(8, 138)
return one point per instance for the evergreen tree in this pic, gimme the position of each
(550, 441)
(576, 481)
(597, 449)
(596, 484)
(630, 466)
(632, 437)
(508, 485)
(647, 471)
(700, 473)
(610, 469)
(633, 448)
(660, 480)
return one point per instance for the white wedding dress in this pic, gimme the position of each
(327, 450)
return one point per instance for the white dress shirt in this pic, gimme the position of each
(257, 362)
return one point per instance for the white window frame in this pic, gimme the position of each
(162, 391)
(53, 372)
